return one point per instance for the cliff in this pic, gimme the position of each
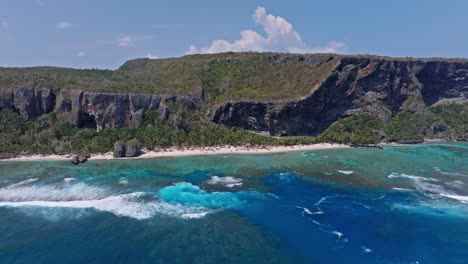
(376, 86)
(88, 109)
(280, 94)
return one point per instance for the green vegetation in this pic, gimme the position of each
(47, 134)
(417, 126)
(223, 77)
(408, 126)
(359, 129)
(454, 115)
(246, 76)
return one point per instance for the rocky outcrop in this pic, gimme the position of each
(79, 159)
(373, 85)
(119, 149)
(87, 109)
(380, 86)
(30, 103)
(131, 148)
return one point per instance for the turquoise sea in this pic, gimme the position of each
(397, 205)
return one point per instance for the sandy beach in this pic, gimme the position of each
(192, 151)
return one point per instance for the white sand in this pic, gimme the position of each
(192, 151)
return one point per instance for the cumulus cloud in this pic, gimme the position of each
(4, 26)
(279, 36)
(63, 25)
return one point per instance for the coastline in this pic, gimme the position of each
(217, 150)
(189, 151)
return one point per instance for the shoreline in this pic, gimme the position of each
(218, 150)
(189, 151)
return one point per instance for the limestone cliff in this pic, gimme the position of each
(373, 85)
(347, 85)
(87, 109)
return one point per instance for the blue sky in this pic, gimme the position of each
(106, 33)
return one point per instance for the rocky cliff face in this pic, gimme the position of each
(377, 86)
(86, 109)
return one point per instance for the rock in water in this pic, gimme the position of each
(119, 149)
(133, 148)
(83, 159)
(75, 160)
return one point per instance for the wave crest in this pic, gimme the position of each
(227, 181)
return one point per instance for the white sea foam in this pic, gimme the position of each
(425, 185)
(463, 199)
(123, 181)
(456, 184)
(25, 182)
(345, 172)
(412, 177)
(307, 211)
(273, 195)
(401, 189)
(337, 233)
(55, 192)
(68, 179)
(126, 205)
(227, 181)
(366, 250)
(323, 199)
(121, 205)
(194, 215)
(285, 176)
(449, 173)
(361, 204)
(82, 196)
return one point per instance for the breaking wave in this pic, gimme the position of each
(443, 195)
(227, 181)
(22, 191)
(345, 172)
(182, 200)
(461, 198)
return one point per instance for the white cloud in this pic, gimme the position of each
(130, 41)
(280, 36)
(151, 56)
(63, 25)
(81, 54)
(4, 26)
(126, 41)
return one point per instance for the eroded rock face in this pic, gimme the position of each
(357, 85)
(373, 85)
(86, 109)
(30, 103)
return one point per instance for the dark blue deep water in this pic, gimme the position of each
(397, 205)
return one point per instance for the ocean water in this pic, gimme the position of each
(396, 205)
